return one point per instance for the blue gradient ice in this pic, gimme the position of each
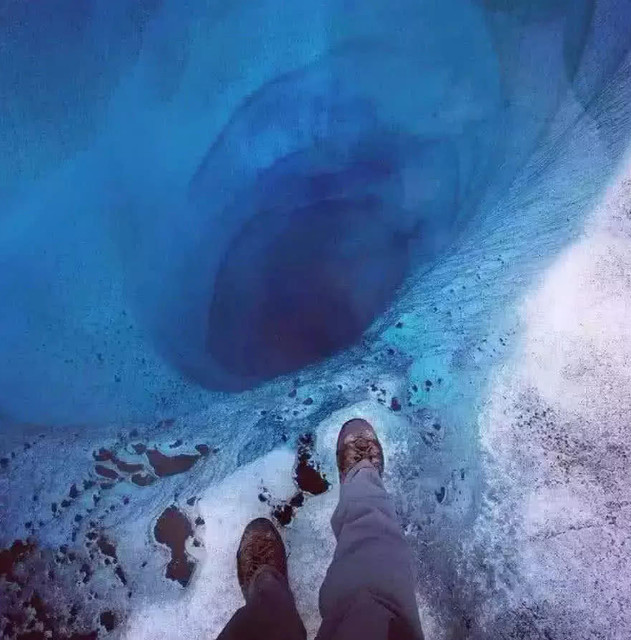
(202, 201)
(147, 152)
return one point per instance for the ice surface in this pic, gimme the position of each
(229, 506)
(165, 171)
(555, 432)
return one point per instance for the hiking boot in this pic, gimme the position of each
(358, 441)
(261, 547)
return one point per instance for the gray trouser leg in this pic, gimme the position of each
(269, 613)
(368, 591)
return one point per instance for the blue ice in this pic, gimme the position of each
(205, 205)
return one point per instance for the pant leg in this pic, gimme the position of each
(368, 591)
(269, 613)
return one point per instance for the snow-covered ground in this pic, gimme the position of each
(555, 437)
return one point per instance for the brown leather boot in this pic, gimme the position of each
(261, 546)
(358, 441)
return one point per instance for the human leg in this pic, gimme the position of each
(270, 611)
(368, 591)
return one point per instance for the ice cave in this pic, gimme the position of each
(228, 227)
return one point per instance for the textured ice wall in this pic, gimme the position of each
(198, 136)
(155, 160)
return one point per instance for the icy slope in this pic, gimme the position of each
(224, 230)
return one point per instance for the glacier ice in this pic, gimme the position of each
(225, 226)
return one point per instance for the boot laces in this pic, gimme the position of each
(259, 552)
(362, 448)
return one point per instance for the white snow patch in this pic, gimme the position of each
(214, 594)
(555, 429)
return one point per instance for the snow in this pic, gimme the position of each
(555, 434)
(214, 594)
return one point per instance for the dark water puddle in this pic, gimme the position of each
(106, 547)
(128, 467)
(173, 529)
(308, 475)
(170, 465)
(102, 455)
(143, 479)
(285, 511)
(12, 556)
(105, 455)
(106, 472)
(161, 464)
(120, 574)
(108, 620)
(205, 450)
